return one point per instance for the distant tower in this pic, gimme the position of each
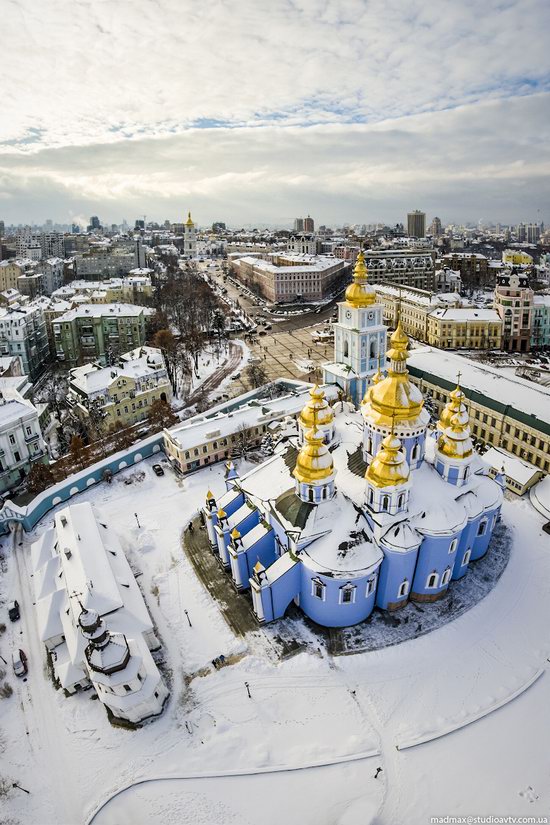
(298, 224)
(189, 238)
(309, 224)
(416, 224)
(435, 228)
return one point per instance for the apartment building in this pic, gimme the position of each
(412, 306)
(464, 328)
(514, 300)
(505, 411)
(122, 393)
(473, 267)
(98, 332)
(405, 267)
(23, 333)
(540, 328)
(21, 441)
(132, 289)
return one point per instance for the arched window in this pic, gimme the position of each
(403, 589)
(446, 576)
(466, 557)
(432, 580)
(369, 445)
(346, 349)
(385, 502)
(324, 493)
(401, 500)
(347, 594)
(370, 586)
(318, 589)
(371, 496)
(453, 545)
(415, 452)
(482, 527)
(310, 494)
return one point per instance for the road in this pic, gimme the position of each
(208, 386)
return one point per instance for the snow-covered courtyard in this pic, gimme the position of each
(457, 719)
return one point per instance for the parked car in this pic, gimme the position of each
(19, 661)
(13, 611)
(546, 527)
(157, 469)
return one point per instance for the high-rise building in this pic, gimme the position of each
(533, 232)
(309, 224)
(416, 224)
(435, 228)
(94, 223)
(298, 224)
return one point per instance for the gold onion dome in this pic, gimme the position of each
(454, 405)
(317, 409)
(359, 293)
(394, 397)
(455, 442)
(314, 462)
(389, 467)
(189, 221)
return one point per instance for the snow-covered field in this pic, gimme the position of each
(217, 756)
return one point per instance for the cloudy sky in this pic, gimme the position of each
(250, 111)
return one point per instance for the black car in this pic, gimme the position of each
(157, 469)
(13, 611)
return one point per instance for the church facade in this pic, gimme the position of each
(369, 507)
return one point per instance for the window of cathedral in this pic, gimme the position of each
(370, 586)
(446, 576)
(403, 589)
(466, 557)
(482, 527)
(453, 545)
(318, 589)
(432, 580)
(401, 500)
(347, 594)
(385, 502)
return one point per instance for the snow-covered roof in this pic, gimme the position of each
(104, 310)
(91, 378)
(466, 314)
(515, 468)
(13, 407)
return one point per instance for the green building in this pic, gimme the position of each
(98, 332)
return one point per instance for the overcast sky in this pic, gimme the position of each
(249, 111)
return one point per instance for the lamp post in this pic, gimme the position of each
(188, 619)
(247, 686)
(138, 524)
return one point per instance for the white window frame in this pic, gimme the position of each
(466, 557)
(385, 503)
(403, 589)
(371, 586)
(453, 545)
(482, 527)
(435, 584)
(347, 588)
(446, 577)
(314, 584)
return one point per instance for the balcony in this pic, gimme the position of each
(30, 438)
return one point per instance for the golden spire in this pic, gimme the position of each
(455, 441)
(209, 495)
(359, 293)
(189, 222)
(454, 405)
(314, 462)
(389, 467)
(317, 409)
(399, 340)
(235, 533)
(222, 513)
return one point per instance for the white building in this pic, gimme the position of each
(21, 441)
(92, 617)
(23, 333)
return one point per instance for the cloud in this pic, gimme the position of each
(255, 111)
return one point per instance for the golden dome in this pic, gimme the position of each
(359, 293)
(189, 222)
(389, 467)
(454, 405)
(314, 462)
(394, 397)
(317, 410)
(455, 442)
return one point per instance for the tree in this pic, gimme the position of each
(39, 478)
(165, 340)
(77, 450)
(161, 415)
(121, 437)
(257, 375)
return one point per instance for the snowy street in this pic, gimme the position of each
(336, 718)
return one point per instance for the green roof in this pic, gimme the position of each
(293, 509)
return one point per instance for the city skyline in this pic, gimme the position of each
(353, 112)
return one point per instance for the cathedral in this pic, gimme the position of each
(369, 505)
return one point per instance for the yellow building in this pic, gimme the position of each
(515, 257)
(10, 271)
(465, 328)
(120, 394)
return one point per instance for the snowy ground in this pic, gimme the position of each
(333, 719)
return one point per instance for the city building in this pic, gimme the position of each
(98, 332)
(303, 244)
(285, 278)
(227, 430)
(135, 288)
(107, 259)
(506, 411)
(53, 271)
(540, 328)
(39, 246)
(412, 306)
(92, 617)
(516, 257)
(122, 393)
(189, 238)
(298, 224)
(309, 224)
(11, 271)
(519, 475)
(435, 228)
(385, 514)
(21, 441)
(514, 301)
(464, 328)
(23, 333)
(473, 267)
(405, 267)
(416, 224)
(359, 336)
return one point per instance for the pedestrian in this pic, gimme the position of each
(378, 770)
